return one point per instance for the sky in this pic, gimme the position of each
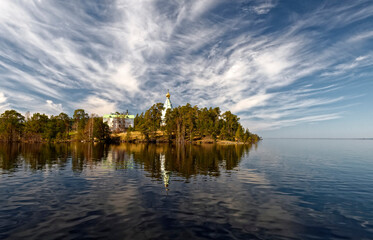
(287, 68)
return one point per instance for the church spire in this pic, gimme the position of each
(167, 105)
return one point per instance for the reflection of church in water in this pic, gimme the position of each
(165, 174)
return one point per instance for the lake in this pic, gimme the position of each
(278, 189)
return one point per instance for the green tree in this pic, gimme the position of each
(239, 134)
(80, 119)
(63, 124)
(231, 125)
(184, 123)
(101, 130)
(11, 125)
(36, 127)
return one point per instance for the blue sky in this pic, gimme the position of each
(286, 68)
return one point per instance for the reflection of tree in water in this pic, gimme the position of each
(44, 156)
(185, 161)
(118, 158)
(159, 160)
(32, 156)
(9, 156)
(87, 154)
(188, 160)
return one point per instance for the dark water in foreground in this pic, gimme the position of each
(280, 189)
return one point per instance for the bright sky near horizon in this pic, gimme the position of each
(286, 68)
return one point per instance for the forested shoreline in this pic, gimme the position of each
(190, 124)
(182, 124)
(14, 127)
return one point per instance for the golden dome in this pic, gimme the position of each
(168, 94)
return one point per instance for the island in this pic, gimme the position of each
(160, 123)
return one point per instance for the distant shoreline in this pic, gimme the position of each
(323, 138)
(162, 137)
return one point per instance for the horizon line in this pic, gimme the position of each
(322, 138)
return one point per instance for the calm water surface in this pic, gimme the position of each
(279, 189)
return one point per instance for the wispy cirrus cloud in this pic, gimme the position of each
(272, 125)
(349, 66)
(269, 67)
(3, 103)
(263, 7)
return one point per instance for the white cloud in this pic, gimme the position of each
(2, 98)
(250, 102)
(263, 7)
(199, 7)
(348, 67)
(361, 58)
(96, 105)
(124, 79)
(138, 50)
(3, 102)
(271, 125)
(275, 60)
(361, 36)
(53, 108)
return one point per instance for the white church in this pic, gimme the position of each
(167, 105)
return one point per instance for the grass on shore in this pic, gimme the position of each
(160, 136)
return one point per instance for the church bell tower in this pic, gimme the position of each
(167, 105)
